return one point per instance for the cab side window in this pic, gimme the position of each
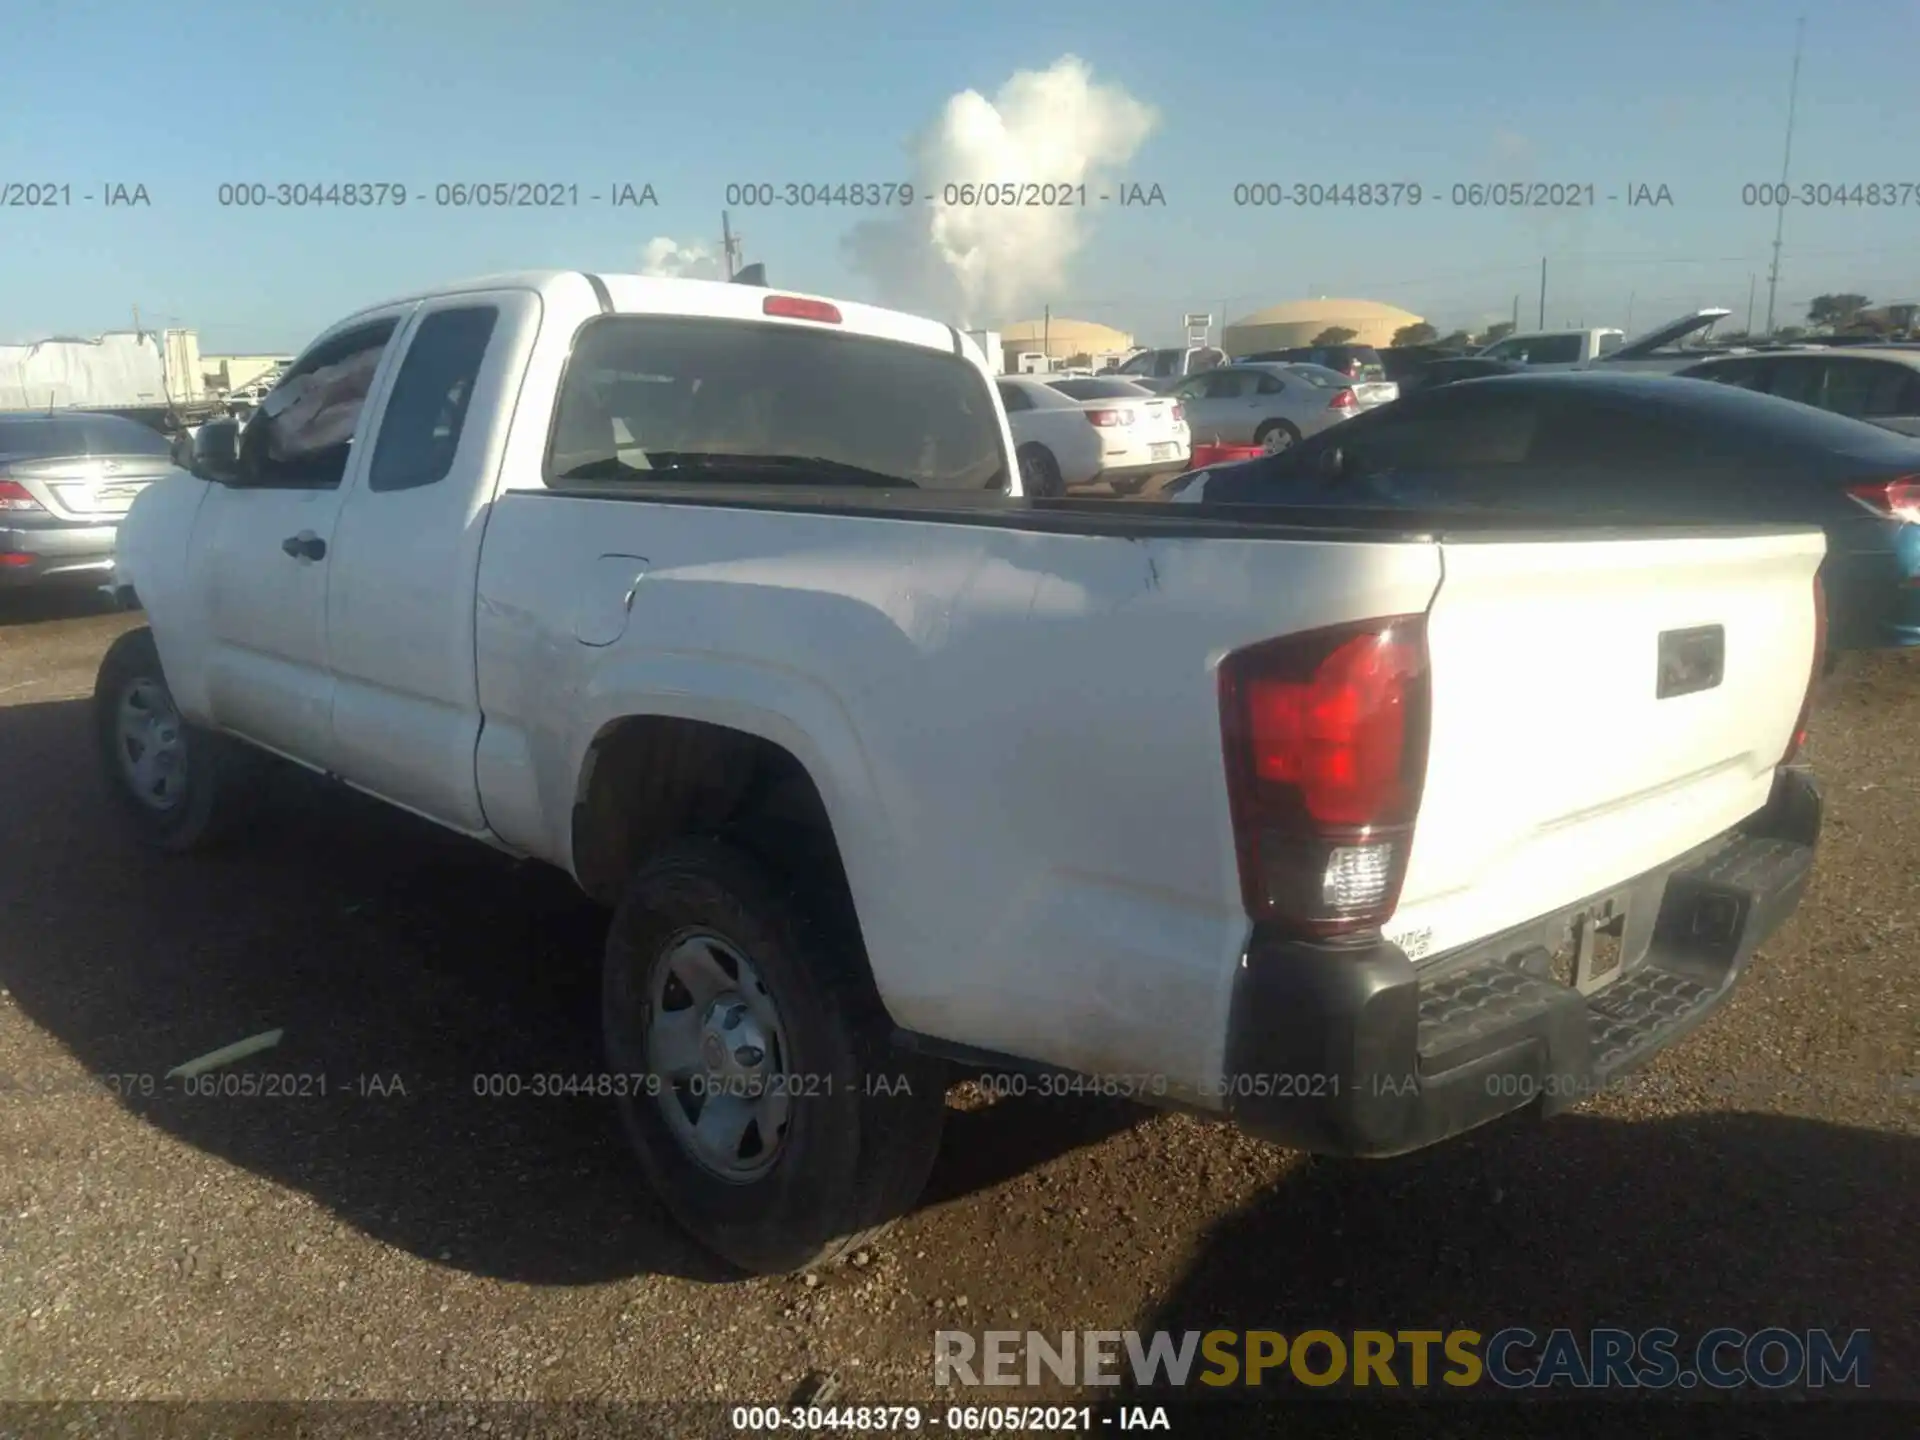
(427, 409)
(302, 434)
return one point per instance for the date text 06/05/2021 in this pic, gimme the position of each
(952, 194)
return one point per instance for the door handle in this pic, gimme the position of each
(305, 546)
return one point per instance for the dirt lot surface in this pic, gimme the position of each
(401, 1237)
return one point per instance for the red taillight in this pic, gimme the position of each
(1326, 749)
(1800, 726)
(1345, 400)
(1891, 499)
(792, 307)
(1105, 418)
(15, 496)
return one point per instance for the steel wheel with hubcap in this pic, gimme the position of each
(182, 787)
(714, 1040)
(758, 1085)
(151, 743)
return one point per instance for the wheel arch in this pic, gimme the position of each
(739, 750)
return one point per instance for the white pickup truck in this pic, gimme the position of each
(1606, 349)
(726, 601)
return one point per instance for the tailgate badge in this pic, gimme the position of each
(1691, 660)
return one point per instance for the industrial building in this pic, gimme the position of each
(1301, 322)
(227, 373)
(1061, 339)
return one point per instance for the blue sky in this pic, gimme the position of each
(183, 96)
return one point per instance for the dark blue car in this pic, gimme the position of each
(1643, 447)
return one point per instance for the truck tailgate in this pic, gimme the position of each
(1557, 769)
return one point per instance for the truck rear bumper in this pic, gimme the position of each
(1352, 1050)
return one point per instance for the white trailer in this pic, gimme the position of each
(121, 370)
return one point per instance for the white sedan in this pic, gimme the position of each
(1145, 433)
(1062, 442)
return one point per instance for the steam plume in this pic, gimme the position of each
(983, 264)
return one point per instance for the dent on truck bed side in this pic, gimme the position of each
(1015, 735)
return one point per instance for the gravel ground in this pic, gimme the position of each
(400, 1238)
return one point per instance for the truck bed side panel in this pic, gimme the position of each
(1016, 734)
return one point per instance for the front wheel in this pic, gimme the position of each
(759, 1088)
(183, 788)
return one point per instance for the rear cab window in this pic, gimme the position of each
(691, 399)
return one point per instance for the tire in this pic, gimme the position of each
(1275, 436)
(198, 786)
(861, 1123)
(1040, 474)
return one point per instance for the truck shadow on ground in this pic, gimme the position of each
(429, 984)
(51, 602)
(408, 968)
(1740, 1219)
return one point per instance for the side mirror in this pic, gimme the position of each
(1331, 463)
(216, 454)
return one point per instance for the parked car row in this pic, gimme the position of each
(1637, 447)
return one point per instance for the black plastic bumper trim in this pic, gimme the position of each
(1353, 1050)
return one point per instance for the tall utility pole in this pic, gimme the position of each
(1046, 334)
(729, 244)
(1516, 314)
(1780, 217)
(1751, 280)
(1630, 296)
(1543, 292)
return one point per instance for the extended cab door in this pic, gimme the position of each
(406, 557)
(260, 553)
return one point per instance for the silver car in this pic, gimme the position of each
(1274, 406)
(1878, 385)
(65, 481)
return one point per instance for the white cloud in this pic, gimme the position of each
(668, 258)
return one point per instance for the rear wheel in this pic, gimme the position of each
(183, 788)
(759, 1087)
(1040, 474)
(1275, 436)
